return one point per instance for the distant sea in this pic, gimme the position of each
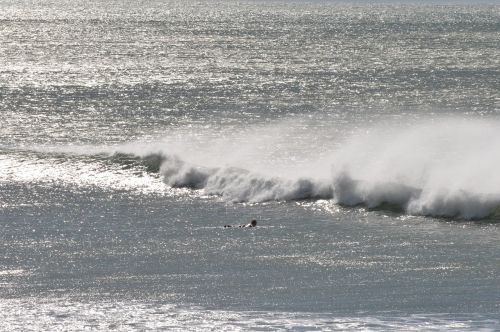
(364, 138)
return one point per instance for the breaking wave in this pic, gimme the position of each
(241, 185)
(448, 168)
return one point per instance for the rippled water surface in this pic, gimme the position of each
(362, 137)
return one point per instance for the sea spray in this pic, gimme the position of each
(444, 168)
(447, 167)
(240, 185)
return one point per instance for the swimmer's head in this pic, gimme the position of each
(253, 223)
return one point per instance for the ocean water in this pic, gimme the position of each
(363, 138)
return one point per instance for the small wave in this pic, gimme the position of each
(151, 163)
(99, 171)
(12, 272)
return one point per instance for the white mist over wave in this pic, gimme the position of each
(445, 167)
(240, 185)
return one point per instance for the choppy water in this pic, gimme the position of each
(362, 137)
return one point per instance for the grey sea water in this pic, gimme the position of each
(363, 137)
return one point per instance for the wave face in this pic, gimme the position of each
(447, 168)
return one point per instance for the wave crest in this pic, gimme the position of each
(240, 185)
(243, 186)
(440, 168)
(416, 201)
(178, 173)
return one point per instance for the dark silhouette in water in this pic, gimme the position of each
(252, 223)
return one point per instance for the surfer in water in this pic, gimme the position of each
(252, 223)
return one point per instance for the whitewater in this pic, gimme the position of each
(446, 168)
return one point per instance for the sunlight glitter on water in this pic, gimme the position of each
(69, 315)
